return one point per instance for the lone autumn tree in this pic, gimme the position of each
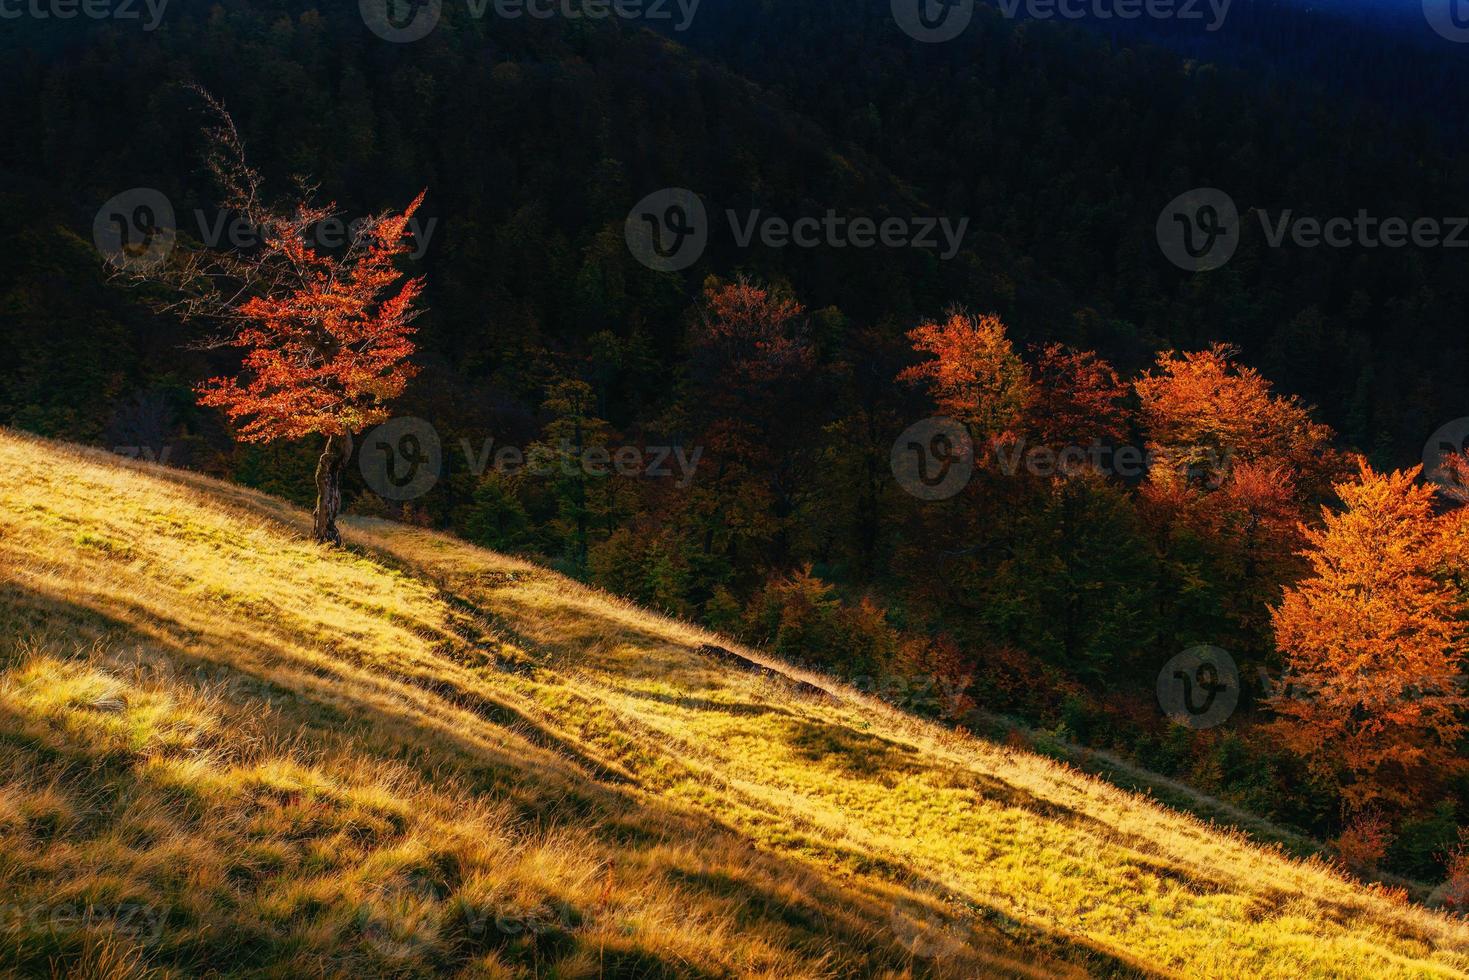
(325, 335)
(1372, 642)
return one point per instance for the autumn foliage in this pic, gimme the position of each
(748, 347)
(1076, 398)
(1203, 412)
(1223, 537)
(330, 354)
(326, 335)
(750, 330)
(1062, 398)
(1363, 842)
(974, 374)
(1372, 642)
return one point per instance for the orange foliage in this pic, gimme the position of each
(1454, 892)
(1452, 546)
(329, 354)
(1372, 644)
(1253, 523)
(1453, 473)
(937, 676)
(1203, 412)
(1010, 681)
(749, 351)
(974, 375)
(744, 328)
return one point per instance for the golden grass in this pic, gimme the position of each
(226, 749)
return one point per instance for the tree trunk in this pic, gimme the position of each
(329, 470)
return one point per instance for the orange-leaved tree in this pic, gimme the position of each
(326, 335)
(974, 374)
(1234, 468)
(1203, 411)
(1372, 641)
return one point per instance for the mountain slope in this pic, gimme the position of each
(224, 748)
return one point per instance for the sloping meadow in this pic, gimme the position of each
(224, 749)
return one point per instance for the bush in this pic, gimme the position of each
(1011, 682)
(1088, 723)
(649, 571)
(800, 618)
(936, 678)
(1454, 893)
(1169, 753)
(1363, 842)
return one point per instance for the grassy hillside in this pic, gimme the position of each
(221, 747)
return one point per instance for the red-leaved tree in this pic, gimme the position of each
(326, 336)
(326, 356)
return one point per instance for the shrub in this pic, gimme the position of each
(1454, 893)
(1363, 843)
(801, 618)
(936, 676)
(1425, 844)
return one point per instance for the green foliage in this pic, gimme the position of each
(801, 618)
(1082, 719)
(1072, 582)
(1420, 846)
(564, 460)
(722, 611)
(68, 349)
(1168, 753)
(496, 518)
(281, 468)
(650, 570)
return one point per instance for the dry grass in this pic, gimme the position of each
(225, 749)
